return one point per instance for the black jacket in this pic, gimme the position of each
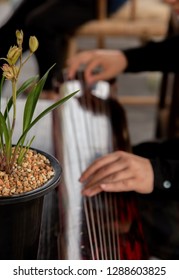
(160, 210)
(159, 56)
(164, 157)
(155, 56)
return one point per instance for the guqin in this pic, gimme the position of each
(106, 226)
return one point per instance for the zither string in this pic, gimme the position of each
(109, 205)
(87, 202)
(84, 120)
(109, 237)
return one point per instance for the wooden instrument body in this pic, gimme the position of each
(108, 225)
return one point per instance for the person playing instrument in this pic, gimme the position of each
(51, 21)
(127, 171)
(152, 170)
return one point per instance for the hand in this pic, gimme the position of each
(118, 172)
(111, 62)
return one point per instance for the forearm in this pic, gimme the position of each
(155, 56)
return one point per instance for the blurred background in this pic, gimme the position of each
(141, 112)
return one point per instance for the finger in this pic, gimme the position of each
(98, 163)
(111, 172)
(91, 76)
(75, 62)
(73, 68)
(111, 179)
(119, 186)
(92, 191)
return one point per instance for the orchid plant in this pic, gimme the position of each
(9, 153)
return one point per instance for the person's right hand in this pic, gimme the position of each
(118, 172)
(111, 63)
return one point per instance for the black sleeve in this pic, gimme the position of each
(155, 56)
(164, 157)
(166, 174)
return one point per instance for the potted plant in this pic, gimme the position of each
(26, 175)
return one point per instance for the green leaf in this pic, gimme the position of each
(31, 101)
(23, 150)
(45, 112)
(27, 84)
(4, 133)
(23, 87)
(3, 128)
(1, 86)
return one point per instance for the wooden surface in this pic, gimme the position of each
(138, 29)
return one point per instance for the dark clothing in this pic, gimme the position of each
(164, 157)
(51, 21)
(154, 56)
(160, 210)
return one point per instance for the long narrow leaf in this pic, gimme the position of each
(32, 99)
(27, 84)
(45, 112)
(3, 128)
(24, 86)
(23, 150)
(4, 132)
(1, 86)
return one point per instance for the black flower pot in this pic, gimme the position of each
(20, 219)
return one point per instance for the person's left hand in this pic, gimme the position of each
(118, 172)
(111, 63)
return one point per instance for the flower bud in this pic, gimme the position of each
(8, 72)
(13, 55)
(33, 44)
(19, 36)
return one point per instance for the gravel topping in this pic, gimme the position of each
(33, 173)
